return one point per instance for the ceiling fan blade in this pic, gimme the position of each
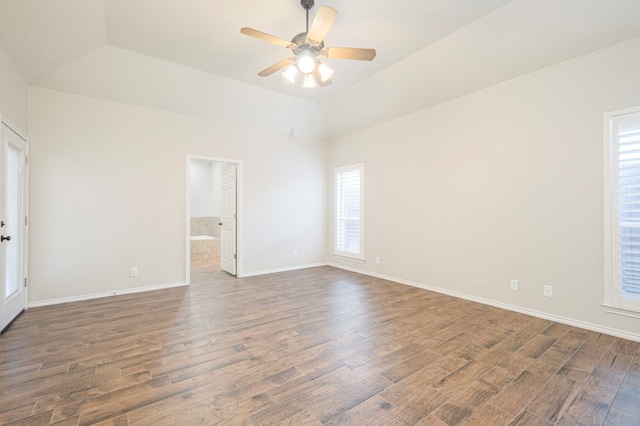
(349, 53)
(264, 36)
(322, 23)
(276, 67)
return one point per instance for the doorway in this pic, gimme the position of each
(212, 214)
(13, 223)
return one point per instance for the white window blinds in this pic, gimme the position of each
(349, 211)
(624, 235)
(629, 204)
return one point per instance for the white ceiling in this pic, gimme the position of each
(45, 36)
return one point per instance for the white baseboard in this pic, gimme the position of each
(105, 294)
(285, 269)
(556, 318)
(563, 320)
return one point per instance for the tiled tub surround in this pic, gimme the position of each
(205, 236)
(205, 226)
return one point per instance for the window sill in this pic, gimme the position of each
(621, 311)
(345, 257)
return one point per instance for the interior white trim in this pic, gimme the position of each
(563, 320)
(344, 254)
(239, 212)
(614, 302)
(620, 311)
(27, 173)
(14, 128)
(105, 294)
(608, 214)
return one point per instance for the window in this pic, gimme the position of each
(622, 210)
(349, 212)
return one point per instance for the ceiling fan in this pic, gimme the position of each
(307, 46)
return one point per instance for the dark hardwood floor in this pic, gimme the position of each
(310, 347)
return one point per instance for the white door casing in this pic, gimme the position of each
(13, 212)
(228, 221)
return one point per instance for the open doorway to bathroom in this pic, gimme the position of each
(212, 215)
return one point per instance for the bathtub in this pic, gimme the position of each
(204, 245)
(201, 237)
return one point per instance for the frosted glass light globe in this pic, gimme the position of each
(290, 74)
(309, 81)
(306, 64)
(325, 72)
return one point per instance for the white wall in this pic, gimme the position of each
(204, 188)
(108, 192)
(13, 93)
(504, 183)
(124, 76)
(216, 185)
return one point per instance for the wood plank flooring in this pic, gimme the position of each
(310, 347)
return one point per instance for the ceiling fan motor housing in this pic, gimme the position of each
(301, 43)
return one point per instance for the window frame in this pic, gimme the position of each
(360, 256)
(614, 302)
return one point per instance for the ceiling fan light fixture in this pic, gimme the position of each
(309, 81)
(306, 63)
(290, 74)
(325, 72)
(307, 46)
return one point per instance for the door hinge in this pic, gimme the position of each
(25, 281)
(26, 159)
(26, 221)
(235, 256)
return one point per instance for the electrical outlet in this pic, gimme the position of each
(548, 291)
(134, 271)
(514, 285)
(295, 253)
(377, 260)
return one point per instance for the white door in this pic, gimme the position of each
(13, 174)
(228, 254)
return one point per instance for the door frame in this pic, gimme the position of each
(239, 212)
(24, 253)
